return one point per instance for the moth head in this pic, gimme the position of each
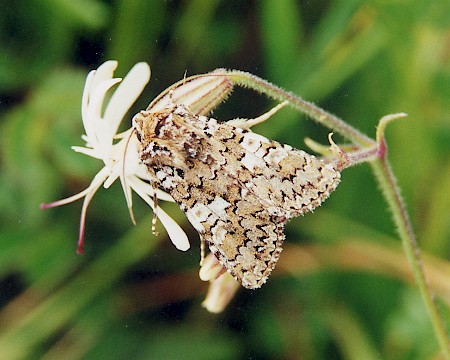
(141, 122)
(162, 137)
(150, 125)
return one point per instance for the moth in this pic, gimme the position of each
(237, 188)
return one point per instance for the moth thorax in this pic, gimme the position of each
(181, 139)
(157, 154)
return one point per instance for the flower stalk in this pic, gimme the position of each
(386, 179)
(247, 80)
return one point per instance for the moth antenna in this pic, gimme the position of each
(127, 194)
(155, 214)
(202, 250)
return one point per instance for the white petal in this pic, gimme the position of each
(87, 151)
(175, 232)
(110, 180)
(127, 191)
(93, 123)
(95, 184)
(86, 91)
(104, 72)
(98, 96)
(126, 153)
(162, 195)
(146, 188)
(95, 77)
(124, 134)
(126, 94)
(142, 172)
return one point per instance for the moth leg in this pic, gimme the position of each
(202, 250)
(248, 123)
(155, 214)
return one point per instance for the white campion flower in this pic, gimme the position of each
(119, 152)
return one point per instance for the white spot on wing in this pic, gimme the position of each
(275, 156)
(161, 175)
(252, 142)
(250, 161)
(218, 207)
(197, 215)
(218, 232)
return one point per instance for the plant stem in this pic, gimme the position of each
(333, 122)
(388, 184)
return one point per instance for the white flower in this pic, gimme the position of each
(119, 152)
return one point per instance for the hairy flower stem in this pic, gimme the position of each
(382, 172)
(388, 184)
(247, 80)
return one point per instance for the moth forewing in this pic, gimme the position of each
(237, 188)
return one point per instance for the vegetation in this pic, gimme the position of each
(343, 288)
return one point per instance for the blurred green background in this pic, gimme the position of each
(342, 288)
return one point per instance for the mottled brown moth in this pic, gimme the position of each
(237, 188)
